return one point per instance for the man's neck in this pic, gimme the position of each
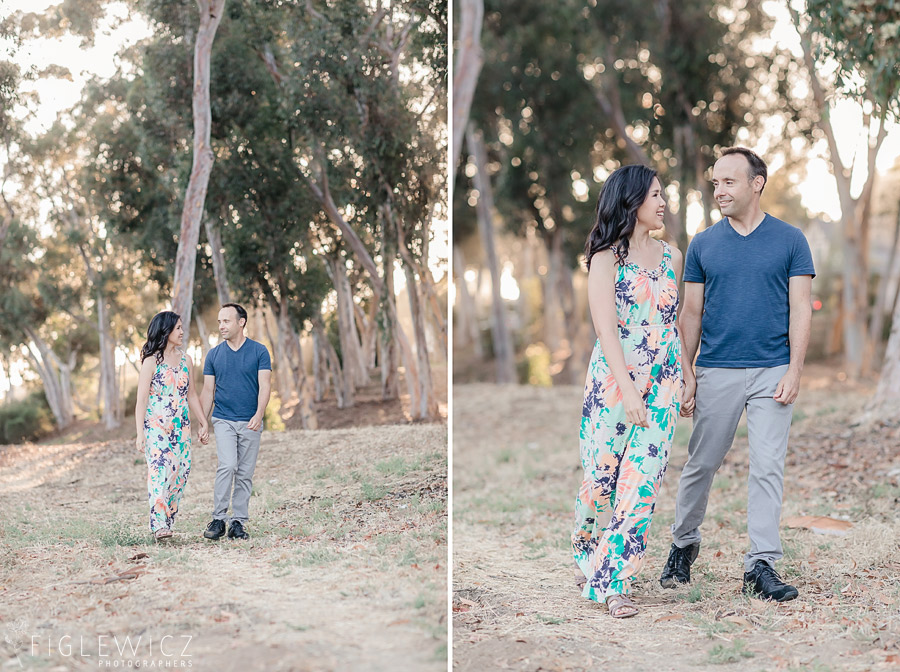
(236, 342)
(747, 223)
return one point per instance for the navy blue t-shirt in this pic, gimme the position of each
(746, 307)
(237, 378)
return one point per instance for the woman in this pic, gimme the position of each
(164, 394)
(633, 388)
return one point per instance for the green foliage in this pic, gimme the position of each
(861, 37)
(678, 78)
(735, 652)
(26, 420)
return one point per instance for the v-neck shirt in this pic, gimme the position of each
(237, 378)
(746, 306)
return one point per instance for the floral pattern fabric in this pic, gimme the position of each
(623, 463)
(167, 430)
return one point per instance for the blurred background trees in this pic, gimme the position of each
(570, 92)
(323, 211)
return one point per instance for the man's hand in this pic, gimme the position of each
(689, 398)
(788, 388)
(204, 434)
(255, 422)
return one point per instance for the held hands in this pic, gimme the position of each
(255, 422)
(688, 398)
(788, 388)
(203, 435)
(635, 411)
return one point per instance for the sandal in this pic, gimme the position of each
(621, 607)
(162, 535)
(580, 578)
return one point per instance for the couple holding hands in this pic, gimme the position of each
(237, 377)
(747, 282)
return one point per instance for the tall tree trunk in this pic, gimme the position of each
(203, 330)
(320, 368)
(351, 351)
(854, 212)
(367, 328)
(709, 202)
(195, 196)
(407, 358)
(293, 358)
(281, 365)
(469, 59)
(467, 323)
(214, 236)
(390, 356)
(554, 319)
(428, 403)
(876, 323)
(502, 339)
(108, 381)
(343, 390)
(55, 375)
(885, 404)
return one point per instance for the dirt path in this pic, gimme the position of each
(346, 565)
(516, 472)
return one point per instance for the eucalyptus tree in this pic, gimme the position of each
(861, 38)
(571, 91)
(361, 85)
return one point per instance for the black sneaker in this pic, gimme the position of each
(764, 583)
(236, 531)
(215, 529)
(678, 567)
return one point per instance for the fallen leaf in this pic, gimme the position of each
(669, 617)
(819, 524)
(739, 620)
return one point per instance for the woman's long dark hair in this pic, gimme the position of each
(623, 193)
(158, 332)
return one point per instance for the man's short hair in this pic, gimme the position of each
(242, 314)
(757, 165)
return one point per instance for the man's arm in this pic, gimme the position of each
(265, 389)
(799, 288)
(691, 320)
(689, 323)
(208, 394)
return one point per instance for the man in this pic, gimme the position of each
(746, 304)
(238, 374)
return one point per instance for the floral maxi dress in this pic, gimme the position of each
(624, 464)
(167, 429)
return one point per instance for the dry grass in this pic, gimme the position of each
(516, 472)
(347, 559)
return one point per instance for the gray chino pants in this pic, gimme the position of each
(722, 396)
(237, 448)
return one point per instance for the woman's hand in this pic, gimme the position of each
(635, 411)
(688, 398)
(140, 442)
(204, 433)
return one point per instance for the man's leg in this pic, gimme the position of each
(721, 395)
(227, 453)
(248, 450)
(768, 426)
